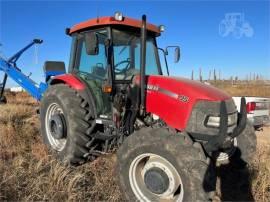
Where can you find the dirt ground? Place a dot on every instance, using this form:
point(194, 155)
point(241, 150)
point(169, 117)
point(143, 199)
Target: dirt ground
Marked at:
point(29, 173)
point(263, 136)
point(251, 183)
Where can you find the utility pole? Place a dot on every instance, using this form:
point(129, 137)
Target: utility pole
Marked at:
point(200, 72)
point(192, 75)
point(215, 76)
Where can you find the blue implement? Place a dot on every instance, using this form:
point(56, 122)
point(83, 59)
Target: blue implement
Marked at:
point(11, 70)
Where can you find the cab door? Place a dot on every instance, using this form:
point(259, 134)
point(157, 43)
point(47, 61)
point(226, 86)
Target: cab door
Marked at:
point(93, 69)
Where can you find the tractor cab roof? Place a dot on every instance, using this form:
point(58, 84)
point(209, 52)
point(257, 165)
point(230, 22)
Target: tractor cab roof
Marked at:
point(108, 21)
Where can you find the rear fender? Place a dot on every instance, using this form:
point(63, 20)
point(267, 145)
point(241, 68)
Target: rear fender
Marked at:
point(77, 84)
point(68, 79)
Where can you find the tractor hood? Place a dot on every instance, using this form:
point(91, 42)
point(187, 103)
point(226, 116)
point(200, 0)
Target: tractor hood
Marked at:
point(173, 98)
point(185, 87)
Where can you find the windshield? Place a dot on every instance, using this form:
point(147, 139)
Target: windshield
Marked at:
point(127, 55)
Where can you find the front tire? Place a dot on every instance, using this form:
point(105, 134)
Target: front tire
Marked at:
point(243, 149)
point(246, 145)
point(154, 165)
point(64, 123)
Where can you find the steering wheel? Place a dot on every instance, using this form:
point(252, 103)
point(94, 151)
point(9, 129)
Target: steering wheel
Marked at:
point(121, 71)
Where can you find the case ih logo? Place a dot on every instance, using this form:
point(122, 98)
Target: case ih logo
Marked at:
point(182, 98)
point(152, 87)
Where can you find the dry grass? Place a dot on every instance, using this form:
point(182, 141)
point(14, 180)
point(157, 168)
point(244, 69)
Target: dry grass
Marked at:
point(28, 172)
point(255, 89)
point(261, 167)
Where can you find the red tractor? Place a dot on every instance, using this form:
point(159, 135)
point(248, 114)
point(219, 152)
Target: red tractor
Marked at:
point(169, 131)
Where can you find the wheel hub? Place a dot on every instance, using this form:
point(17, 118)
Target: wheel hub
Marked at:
point(156, 180)
point(57, 126)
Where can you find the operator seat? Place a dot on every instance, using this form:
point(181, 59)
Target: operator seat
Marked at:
point(99, 71)
point(101, 99)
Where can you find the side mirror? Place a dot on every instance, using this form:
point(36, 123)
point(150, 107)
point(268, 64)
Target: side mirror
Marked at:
point(91, 43)
point(176, 54)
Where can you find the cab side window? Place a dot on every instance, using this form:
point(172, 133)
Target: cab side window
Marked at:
point(93, 65)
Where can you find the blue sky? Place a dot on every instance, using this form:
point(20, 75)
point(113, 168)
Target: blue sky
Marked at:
point(193, 25)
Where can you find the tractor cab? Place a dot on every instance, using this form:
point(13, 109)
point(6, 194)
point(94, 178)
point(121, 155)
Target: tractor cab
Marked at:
point(107, 55)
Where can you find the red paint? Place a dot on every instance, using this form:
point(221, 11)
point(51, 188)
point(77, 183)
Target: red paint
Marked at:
point(70, 80)
point(106, 21)
point(172, 110)
point(251, 106)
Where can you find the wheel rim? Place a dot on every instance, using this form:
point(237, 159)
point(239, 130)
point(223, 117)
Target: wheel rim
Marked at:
point(224, 156)
point(56, 144)
point(144, 164)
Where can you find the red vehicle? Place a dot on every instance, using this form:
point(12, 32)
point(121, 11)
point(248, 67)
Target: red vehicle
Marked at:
point(169, 131)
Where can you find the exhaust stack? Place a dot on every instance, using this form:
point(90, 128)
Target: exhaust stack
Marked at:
point(142, 63)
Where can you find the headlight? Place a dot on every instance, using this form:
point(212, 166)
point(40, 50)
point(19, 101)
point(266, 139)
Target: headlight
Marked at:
point(232, 119)
point(213, 121)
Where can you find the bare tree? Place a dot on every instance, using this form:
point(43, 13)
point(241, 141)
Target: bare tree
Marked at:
point(231, 78)
point(200, 72)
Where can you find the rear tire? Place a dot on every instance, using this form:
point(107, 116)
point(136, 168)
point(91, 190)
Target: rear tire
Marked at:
point(159, 153)
point(61, 99)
